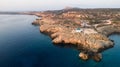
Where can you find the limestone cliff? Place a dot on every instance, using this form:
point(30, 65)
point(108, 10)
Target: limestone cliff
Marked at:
point(91, 41)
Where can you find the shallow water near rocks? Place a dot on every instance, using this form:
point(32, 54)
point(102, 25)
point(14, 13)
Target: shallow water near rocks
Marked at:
point(22, 45)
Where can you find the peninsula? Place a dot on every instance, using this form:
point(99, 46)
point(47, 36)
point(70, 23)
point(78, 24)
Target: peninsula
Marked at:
point(87, 29)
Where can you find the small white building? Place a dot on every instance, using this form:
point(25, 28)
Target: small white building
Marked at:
point(77, 30)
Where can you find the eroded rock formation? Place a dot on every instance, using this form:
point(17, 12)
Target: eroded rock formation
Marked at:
point(90, 44)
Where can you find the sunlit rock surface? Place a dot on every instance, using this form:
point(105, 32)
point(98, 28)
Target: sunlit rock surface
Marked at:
point(91, 41)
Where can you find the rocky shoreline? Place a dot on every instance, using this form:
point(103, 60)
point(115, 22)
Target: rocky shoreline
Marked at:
point(90, 44)
point(109, 30)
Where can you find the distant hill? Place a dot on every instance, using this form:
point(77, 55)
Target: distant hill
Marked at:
point(10, 13)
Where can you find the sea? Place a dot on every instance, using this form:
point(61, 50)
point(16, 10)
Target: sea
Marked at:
point(23, 45)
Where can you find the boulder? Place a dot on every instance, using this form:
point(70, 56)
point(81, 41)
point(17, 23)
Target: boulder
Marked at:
point(84, 56)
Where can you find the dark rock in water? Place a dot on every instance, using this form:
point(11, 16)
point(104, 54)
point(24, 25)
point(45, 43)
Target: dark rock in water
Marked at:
point(97, 57)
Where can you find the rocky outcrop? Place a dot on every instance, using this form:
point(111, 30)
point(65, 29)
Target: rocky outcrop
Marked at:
point(36, 22)
point(97, 57)
point(91, 44)
point(108, 30)
point(83, 56)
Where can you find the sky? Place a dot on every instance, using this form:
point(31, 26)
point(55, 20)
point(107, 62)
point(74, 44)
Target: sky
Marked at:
point(39, 5)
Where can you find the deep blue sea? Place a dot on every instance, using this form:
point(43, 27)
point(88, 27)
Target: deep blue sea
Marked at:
point(22, 45)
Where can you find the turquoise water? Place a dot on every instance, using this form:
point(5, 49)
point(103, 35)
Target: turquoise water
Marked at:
point(22, 45)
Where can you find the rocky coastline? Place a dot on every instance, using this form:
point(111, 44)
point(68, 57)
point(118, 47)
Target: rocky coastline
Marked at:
point(91, 42)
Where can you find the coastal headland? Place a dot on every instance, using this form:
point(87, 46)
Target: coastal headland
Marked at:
point(87, 29)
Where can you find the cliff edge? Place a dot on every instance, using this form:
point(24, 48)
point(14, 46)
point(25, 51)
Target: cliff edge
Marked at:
point(90, 39)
